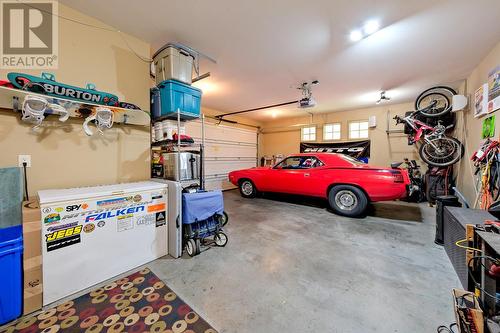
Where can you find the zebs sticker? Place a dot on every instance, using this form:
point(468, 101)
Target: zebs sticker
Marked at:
point(62, 238)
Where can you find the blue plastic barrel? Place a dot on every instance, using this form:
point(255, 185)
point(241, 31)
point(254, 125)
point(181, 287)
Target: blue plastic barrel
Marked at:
point(11, 287)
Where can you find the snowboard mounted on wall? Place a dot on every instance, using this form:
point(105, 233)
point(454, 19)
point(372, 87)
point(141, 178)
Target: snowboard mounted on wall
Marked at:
point(79, 102)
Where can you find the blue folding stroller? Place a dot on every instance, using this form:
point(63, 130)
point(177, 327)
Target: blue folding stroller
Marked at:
point(203, 217)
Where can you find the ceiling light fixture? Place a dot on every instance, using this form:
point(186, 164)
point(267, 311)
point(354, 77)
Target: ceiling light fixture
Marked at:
point(383, 97)
point(356, 35)
point(371, 27)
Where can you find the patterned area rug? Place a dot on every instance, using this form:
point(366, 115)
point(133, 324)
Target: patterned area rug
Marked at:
point(138, 303)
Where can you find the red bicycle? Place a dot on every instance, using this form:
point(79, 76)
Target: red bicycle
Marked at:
point(436, 149)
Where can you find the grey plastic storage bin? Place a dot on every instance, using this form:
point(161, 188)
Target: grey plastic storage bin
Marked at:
point(172, 63)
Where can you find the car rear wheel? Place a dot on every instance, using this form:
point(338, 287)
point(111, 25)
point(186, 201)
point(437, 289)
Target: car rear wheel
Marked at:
point(247, 189)
point(347, 200)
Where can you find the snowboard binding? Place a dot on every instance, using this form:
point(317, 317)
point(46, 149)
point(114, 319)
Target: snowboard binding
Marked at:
point(34, 108)
point(103, 118)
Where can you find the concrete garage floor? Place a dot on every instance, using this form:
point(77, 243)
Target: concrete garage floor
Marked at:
point(292, 267)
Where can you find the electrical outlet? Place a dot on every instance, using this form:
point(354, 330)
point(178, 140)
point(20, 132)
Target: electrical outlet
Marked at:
point(24, 159)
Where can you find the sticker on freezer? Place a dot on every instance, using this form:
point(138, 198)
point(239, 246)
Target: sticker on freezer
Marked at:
point(52, 218)
point(145, 220)
point(160, 219)
point(114, 213)
point(72, 208)
point(114, 201)
point(156, 208)
point(125, 222)
point(63, 238)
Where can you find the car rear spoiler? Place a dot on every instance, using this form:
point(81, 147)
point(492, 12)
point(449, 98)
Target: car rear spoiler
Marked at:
point(396, 165)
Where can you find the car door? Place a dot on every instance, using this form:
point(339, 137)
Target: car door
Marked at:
point(278, 177)
point(305, 180)
point(292, 175)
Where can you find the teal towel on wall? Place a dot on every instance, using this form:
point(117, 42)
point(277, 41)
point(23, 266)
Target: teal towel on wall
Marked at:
point(11, 197)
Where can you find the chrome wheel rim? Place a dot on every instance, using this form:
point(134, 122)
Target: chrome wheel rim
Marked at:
point(220, 239)
point(247, 188)
point(189, 248)
point(346, 200)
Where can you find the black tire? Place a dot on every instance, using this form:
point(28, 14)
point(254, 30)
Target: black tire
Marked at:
point(191, 247)
point(220, 239)
point(198, 245)
point(446, 161)
point(347, 200)
point(247, 189)
point(223, 219)
point(441, 91)
point(495, 180)
point(434, 112)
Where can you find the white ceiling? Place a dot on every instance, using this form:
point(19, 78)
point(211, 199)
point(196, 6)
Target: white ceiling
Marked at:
point(264, 47)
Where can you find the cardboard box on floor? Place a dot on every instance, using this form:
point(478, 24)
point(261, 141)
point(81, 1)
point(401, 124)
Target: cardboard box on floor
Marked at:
point(476, 319)
point(32, 256)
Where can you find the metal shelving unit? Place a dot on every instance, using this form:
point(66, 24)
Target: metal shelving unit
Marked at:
point(177, 146)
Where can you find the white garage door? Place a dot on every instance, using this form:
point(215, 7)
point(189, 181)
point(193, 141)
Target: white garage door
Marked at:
point(226, 149)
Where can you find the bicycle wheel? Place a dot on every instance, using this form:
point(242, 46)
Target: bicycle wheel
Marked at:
point(441, 151)
point(441, 95)
point(442, 104)
point(494, 183)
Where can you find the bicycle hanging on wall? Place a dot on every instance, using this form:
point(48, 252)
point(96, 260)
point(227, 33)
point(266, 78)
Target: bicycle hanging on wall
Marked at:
point(436, 147)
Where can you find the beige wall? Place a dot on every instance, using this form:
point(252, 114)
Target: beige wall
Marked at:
point(282, 137)
point(62, 155)
point(469, 130)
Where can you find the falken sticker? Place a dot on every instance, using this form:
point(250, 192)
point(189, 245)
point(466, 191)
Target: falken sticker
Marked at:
point(160, 219)
point(114, 213)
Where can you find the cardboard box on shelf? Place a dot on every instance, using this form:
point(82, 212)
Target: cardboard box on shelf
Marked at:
point(32, 256)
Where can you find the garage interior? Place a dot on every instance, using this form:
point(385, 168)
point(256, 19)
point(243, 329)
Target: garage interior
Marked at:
point(226, 166)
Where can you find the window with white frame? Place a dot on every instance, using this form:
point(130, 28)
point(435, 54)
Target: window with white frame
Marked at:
point(331, 131)
point(308, 133)
point(358, 129)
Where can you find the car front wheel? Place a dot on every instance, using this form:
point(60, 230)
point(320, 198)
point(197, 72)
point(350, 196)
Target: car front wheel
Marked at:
point(247, 189)
point(347, 200)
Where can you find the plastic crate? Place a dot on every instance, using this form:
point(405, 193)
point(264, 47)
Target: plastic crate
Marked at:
point(179, 96)
point(11, 255)
point(172, 63)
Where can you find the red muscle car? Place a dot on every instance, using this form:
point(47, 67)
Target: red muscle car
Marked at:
point(348, 184)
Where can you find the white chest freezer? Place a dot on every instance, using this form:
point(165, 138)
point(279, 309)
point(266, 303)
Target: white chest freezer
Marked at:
point(92, 234)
